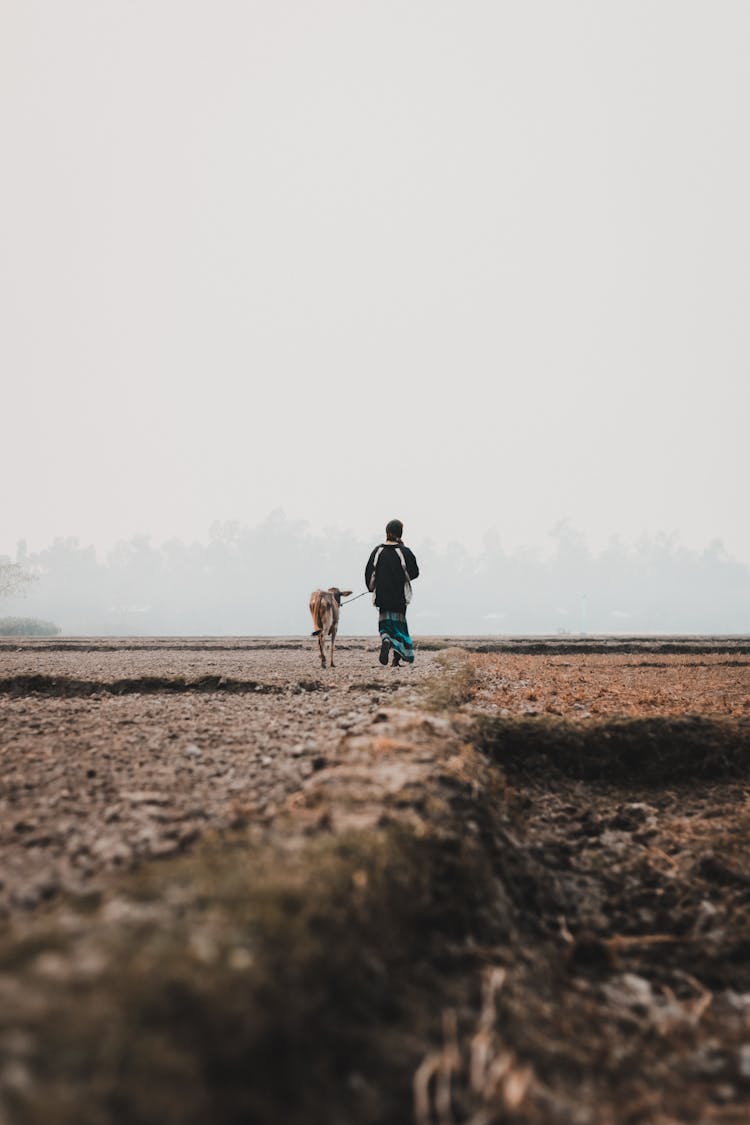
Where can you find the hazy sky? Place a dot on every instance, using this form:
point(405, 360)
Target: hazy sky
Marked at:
point(477, 264)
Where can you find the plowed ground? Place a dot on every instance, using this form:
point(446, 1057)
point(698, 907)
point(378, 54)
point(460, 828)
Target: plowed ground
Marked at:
point(495, 888)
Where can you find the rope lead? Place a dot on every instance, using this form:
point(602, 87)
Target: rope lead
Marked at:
point(355, 598)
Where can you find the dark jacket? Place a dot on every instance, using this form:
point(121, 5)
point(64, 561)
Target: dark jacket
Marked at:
point(387, 578)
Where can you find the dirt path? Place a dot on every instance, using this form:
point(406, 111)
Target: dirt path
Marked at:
point(112, 758)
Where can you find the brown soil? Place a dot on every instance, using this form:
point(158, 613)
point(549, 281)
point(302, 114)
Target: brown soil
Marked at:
point(632, 684)
point(111, 758)
point(423, 897)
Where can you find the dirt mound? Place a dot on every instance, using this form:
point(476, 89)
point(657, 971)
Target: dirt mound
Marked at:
point(605, 646)
point(288, 974)
point(68, 687)
point(639, 751)
point(254, 999)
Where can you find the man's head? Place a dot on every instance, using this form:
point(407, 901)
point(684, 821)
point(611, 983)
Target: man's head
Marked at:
point(394, 530)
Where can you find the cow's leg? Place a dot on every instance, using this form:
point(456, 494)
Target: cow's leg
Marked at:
point(322, 653)
point(333, 639)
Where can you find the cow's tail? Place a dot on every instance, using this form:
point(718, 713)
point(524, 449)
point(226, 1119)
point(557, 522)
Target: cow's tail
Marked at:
point(315, 610)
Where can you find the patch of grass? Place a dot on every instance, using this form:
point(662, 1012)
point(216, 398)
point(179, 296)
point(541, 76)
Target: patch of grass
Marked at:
point(454, 685)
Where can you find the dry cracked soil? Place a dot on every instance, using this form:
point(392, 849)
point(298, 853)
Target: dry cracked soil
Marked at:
point(509, 884)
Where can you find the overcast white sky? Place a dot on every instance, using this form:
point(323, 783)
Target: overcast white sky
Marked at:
point(478, 264)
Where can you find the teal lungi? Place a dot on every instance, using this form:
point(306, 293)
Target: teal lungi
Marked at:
point(393, 625)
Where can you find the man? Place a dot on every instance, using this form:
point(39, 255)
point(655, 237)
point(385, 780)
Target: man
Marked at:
point(389, 573)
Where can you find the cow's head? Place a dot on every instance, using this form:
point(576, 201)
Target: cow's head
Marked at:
point(338, 594)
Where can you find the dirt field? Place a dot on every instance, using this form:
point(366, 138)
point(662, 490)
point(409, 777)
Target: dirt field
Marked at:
point(510, 884)
point(110, 758)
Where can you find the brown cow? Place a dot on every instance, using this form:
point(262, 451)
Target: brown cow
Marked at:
point(324, 607)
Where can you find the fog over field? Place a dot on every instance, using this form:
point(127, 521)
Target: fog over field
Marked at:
point(481, 267)
point(257, 580)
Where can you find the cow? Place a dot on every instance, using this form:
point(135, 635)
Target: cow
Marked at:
point(324, 607)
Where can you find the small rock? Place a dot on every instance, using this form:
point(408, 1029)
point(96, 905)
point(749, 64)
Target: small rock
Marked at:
point(708, 1060)
point(89, 963)
point(740, 1001)
point(743, 1061)
point(617, 842)
point(15, 1078)
point(239, 959)
point(629, 991)
point(52, 966)
point(143, 797)
point(111, 849)
point(203, 947)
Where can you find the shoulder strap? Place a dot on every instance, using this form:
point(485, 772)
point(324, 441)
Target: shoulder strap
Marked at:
point(407, 582)
point(378, 553)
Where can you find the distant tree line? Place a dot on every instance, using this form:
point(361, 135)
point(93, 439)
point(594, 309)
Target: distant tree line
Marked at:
point(256, 580)
point(13, 578)
point(27, 627)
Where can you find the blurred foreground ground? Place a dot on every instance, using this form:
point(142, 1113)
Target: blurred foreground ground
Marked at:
point(499, 886)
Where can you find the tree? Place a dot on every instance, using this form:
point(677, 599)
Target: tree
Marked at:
point(13, 579)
